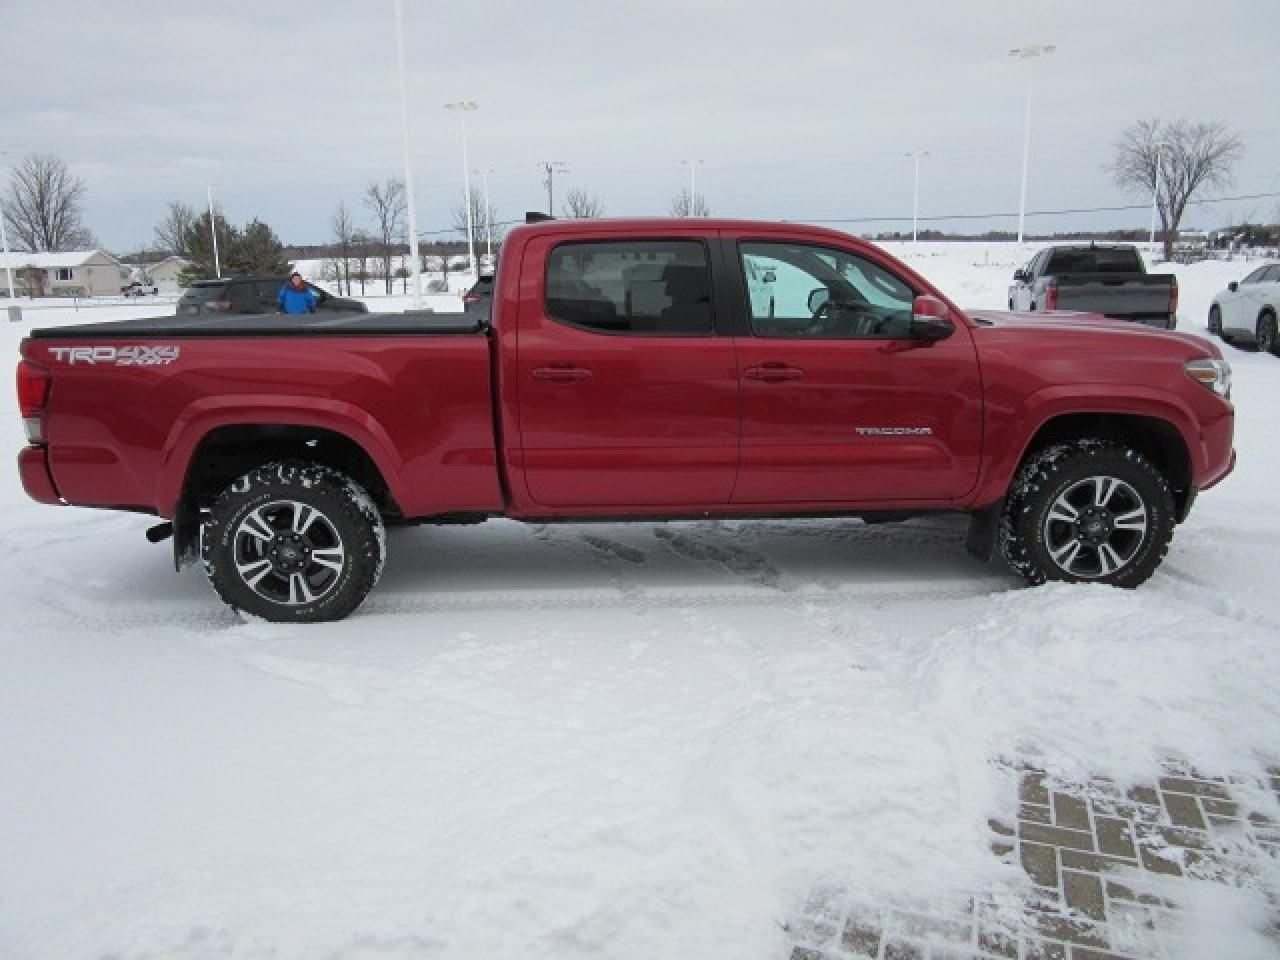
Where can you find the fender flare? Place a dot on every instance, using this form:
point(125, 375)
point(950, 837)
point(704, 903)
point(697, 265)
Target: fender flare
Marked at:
point(1049, 403)
point(208, 414)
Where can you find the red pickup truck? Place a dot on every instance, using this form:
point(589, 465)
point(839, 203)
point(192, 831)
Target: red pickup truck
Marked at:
point(631, 369)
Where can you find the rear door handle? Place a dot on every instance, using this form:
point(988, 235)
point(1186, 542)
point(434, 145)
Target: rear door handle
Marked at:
point(773, 372)
point(565, 374)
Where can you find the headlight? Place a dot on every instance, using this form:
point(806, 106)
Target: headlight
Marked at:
point(1214, 374)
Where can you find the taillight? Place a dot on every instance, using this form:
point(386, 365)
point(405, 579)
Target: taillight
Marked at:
point(1173, 300)
point(471, 298)
point(221, 305)
point(1051, 297)
point(33, 396)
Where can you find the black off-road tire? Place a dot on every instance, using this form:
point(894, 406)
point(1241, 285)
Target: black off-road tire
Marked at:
point(347, 522)
point(1051, 473)
point(1268, 340)
point(1215, 321)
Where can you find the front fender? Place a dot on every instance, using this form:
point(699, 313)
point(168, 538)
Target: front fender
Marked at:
point(207, 414)
point(1011, 435)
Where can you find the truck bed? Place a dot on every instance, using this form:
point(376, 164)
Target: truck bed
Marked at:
point(271, 325)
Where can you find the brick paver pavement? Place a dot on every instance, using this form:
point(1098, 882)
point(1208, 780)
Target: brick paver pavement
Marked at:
point(1089, 851)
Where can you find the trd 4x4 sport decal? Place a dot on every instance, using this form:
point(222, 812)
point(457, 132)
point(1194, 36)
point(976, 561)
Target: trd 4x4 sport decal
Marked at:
point(130, 356)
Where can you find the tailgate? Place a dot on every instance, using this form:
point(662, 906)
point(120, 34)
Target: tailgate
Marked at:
point(1128, 297)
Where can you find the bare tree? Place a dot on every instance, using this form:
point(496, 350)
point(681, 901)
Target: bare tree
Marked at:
point(43, 205)
point(685, 204)
point(343, 232)
point(581, 205)
point(171, 232)
point(1182, 157)
point(387, 201)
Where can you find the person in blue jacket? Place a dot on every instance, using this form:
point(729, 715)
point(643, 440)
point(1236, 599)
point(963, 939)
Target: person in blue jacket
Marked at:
point(296, 297)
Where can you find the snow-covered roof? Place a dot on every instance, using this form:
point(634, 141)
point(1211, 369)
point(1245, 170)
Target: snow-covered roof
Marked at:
point(50, 261)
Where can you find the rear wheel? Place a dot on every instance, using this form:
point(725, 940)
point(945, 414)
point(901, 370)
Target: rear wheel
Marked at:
point(1215, 321)
point(293, 542)
point(1087, 512)
point(1266, 333)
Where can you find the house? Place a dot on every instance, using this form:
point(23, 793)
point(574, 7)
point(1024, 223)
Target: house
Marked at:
point(164, 275)
point(80, 273)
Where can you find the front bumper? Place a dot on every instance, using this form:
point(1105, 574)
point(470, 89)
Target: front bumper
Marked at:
point(33, 469)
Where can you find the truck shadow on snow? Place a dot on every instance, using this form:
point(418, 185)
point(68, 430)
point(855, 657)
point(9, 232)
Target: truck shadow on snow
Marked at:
point(503, 563)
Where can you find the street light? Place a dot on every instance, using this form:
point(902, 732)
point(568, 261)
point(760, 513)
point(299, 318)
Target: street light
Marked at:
point(488, 215)
point(408, 166)
point(693, 166)
point(463, 107)
point(915, 198)
point(4, 239)
point(1155, 193)
point(1030, 53)
point(213, 230)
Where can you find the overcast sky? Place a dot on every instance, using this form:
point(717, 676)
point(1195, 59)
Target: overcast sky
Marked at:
point(798, 110)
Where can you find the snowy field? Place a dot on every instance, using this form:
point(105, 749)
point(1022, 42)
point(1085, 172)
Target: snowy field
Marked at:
point(609, 741)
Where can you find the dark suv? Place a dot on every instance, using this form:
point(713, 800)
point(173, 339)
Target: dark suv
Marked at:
point(253, 295)
point(478, 301)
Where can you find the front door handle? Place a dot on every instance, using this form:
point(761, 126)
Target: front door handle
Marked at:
point(562, 374)
point(773, 372)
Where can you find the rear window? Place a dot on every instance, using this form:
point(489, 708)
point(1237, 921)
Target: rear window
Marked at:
point(206, 291)
point(656, 288)
point(1100, 260)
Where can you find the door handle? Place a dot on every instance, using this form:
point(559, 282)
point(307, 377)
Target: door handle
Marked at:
point(773, 372)
point(565, 374)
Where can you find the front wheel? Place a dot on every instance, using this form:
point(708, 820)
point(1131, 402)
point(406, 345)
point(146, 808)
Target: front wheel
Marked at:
point(1266, 334)
point(293, 543)
point(1087, 512)
point(1215, 321)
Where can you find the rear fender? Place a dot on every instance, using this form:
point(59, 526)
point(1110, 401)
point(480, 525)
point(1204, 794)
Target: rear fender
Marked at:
point(205, 415)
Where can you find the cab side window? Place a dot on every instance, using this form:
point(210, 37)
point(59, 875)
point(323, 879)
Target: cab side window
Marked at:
point(802, 291)
point(1257, 275)
point(656, 288)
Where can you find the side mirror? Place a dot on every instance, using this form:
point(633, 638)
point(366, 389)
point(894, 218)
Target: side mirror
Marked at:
point(1019, 275)
point(929, 320)
point(1233, 286)
point(818, 298)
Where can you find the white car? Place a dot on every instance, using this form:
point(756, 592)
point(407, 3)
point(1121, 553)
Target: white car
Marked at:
point(1248, 309)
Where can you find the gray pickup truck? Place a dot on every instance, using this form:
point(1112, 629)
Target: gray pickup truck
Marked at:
point(1095, 278)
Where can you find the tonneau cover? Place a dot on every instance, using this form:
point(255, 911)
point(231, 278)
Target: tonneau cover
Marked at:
point(270, 325)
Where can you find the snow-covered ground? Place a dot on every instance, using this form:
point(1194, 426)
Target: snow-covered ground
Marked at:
point(612, 741)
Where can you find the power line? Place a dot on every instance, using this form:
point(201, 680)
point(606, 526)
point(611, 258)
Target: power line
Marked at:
point(1032, 213)
point(1066, 211)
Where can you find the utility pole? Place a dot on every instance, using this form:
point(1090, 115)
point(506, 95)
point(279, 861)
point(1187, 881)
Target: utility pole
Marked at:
point(915, 201)
point(213, 231)
point(1030, 53)
point(1155, 194)
point(408, 165)
point(549, 170)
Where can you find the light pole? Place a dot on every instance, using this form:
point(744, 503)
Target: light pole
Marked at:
point(488, 215)
point(1155, 193)
point(550, 168)
point(1029, 52)
point(463, 107)
point(4, 239)
point(915, 197)
point(416, 266)
point(693, 185)
point(213, 230)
